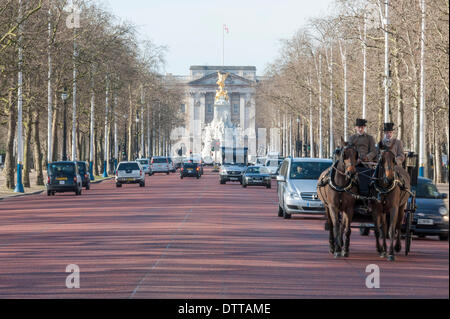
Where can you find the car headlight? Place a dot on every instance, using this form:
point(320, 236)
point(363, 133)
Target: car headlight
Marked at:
point(443, 211)
point(294, 195)
point(223, 171)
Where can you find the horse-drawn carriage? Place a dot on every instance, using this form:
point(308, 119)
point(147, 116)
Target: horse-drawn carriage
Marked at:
point(345, 205)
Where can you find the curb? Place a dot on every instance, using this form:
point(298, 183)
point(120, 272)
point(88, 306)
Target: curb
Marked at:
point(41, 191)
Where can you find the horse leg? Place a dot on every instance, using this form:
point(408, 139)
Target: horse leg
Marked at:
point(330, 231)
point(383, 234)
point(336, 232)
point(376, 216)
point(347, 231)
point(392, 229)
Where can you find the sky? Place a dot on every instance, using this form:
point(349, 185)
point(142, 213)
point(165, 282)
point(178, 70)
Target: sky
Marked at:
point(192, 29)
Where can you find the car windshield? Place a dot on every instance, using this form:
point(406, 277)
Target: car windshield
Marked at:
point(257, 170)
point(426, 190)
point(274, 163)
point(307, 170)
point(128, 166)
point(143, 162)
point(234, 164)
point(62, 169)
point(159, 160)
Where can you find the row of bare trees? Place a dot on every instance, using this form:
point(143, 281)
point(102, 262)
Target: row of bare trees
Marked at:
point(334, 70)
point(118, 105)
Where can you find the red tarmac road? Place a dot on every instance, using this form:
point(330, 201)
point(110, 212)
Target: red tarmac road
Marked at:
point(193, 239)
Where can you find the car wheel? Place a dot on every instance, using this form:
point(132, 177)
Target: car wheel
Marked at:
point(118, 185)
point(286, 215)
point(142, 184)
point(269, 186)
point(181, 176)
point(198, 176)
point(49, 193)
point(364, 231)
point(222, 181)
point(88, 187)
point(280, 211)
point(53, 193)
point(244, 185)
point(167, 173)
point(443, 237)
point(422, 236)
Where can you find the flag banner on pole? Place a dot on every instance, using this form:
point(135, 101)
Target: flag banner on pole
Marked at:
point(225, 27)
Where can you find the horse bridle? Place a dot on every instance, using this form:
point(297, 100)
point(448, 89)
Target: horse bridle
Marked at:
point(393, 184)
point(349, 186)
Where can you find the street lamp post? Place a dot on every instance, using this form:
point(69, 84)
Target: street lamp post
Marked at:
point(64, 96)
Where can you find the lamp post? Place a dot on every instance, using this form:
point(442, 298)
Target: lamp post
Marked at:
point(64, 96)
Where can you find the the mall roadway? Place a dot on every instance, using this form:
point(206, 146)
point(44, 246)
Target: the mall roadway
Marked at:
point(193, 239)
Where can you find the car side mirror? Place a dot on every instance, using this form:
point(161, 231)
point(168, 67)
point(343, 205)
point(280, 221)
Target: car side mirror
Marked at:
point(280, 178)
point(444, 195)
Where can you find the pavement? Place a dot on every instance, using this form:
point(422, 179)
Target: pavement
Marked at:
point(194, 239)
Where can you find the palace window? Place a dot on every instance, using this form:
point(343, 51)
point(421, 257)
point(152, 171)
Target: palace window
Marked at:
point(183, 108)
point(209, 108)
point(235, 108)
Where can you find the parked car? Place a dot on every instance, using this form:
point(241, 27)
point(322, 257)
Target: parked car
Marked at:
point(160, 164)
point(297, 183)
point(130, 173)
point(63, 177)
point(172, 167)
point(257, 175)
point(83, 170)
point(431, 215)
point(145, 163)
point(190, 169)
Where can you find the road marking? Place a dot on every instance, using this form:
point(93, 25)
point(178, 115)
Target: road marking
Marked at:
point(156, 263)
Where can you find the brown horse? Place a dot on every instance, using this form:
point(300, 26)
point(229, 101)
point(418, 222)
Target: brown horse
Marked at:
point(338, 202)
point(393, 201)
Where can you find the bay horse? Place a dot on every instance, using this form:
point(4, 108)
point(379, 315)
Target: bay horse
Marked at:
point(338, 202)
point(392, 201)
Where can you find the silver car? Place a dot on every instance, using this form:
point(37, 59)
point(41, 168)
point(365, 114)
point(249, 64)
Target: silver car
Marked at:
point(160, 164)
point(297, 183)
point(145, 163)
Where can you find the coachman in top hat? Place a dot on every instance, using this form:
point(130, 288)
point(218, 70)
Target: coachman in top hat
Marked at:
point(365, 146)
point(396, 147)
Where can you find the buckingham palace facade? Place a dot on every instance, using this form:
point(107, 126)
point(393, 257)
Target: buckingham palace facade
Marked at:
point(200, 90)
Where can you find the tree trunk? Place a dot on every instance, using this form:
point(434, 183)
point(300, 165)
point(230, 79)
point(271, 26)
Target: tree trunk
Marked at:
point(26, 149)
point(55, 151)
point(130, 123)
point(37, 151)
point(9, 169)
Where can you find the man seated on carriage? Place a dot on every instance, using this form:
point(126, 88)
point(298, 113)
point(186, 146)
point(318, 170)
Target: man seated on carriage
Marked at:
point(365, 146)
point(389, 142)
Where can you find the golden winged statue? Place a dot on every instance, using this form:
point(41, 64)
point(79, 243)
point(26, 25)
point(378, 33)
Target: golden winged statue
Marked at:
point(221, 83)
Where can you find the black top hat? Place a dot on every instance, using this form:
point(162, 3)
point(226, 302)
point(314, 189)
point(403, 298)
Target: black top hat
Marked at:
point(360, 122)
point(388, 127)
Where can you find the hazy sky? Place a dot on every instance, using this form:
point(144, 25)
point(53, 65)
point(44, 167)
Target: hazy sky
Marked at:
point(192, 29)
